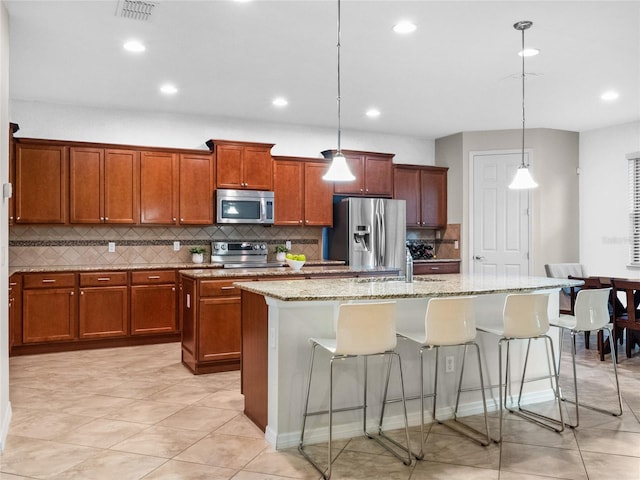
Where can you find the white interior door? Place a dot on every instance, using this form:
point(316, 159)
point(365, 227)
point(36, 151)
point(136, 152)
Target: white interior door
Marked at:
point(499, 217)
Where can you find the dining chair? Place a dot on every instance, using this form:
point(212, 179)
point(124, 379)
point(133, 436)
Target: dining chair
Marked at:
point(629, 321)
point(589, 282)
point(563, 270)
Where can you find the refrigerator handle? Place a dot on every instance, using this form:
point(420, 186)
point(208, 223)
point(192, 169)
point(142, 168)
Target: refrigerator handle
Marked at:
point(381, 233)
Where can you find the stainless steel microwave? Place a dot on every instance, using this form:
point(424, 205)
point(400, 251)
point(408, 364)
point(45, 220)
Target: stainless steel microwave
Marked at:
point(244, 206)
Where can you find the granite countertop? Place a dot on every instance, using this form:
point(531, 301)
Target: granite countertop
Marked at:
point(280, 271)
point(393, 287)
point(144, 266)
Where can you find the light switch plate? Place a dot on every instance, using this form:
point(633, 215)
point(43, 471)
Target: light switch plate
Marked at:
point(112, 247)
point(287, 244)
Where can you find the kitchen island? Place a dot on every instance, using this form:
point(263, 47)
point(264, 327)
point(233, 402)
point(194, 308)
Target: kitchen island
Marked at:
point(279, 317)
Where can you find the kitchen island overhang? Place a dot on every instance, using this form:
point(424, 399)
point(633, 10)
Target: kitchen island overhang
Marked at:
point(279, 317)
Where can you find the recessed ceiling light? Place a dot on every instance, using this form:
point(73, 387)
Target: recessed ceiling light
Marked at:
point(609, 95)
point(168, 89)
point(373, 113)
point(404, 27)
point(529, 52)
point(280, 102)
point(134, 46)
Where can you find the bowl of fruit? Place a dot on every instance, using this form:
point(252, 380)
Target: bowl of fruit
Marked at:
point(295, 261)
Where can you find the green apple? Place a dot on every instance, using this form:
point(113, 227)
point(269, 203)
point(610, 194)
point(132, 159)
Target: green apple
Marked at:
point(290, 256)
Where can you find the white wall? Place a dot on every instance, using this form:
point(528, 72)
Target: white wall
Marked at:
point(554, 160)
point(604, 199)
point(5, 405)
point(66, 122)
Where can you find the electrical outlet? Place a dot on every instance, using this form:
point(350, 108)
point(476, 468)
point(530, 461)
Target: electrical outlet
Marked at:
point(176, 246)
point(449, 364)
point(456, 245)
point(287, 244)
point(112, 247)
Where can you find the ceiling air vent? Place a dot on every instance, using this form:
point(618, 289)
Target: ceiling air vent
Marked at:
point(135, 9)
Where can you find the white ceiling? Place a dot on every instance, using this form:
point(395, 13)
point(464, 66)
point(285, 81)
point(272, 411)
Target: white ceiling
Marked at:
point(458, 72)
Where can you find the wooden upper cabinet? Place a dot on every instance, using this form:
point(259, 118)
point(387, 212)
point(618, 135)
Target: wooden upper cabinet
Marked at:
point(288, 188)
point(243, 165)
point(433, 186)
point(425, 191)
point(196, 189)
point(301, 196)
point(373, 172)
point(318, 195)
point(158, 188)
point(103, 185)
point(13, 128)
point(406, 186)
point(41, 183)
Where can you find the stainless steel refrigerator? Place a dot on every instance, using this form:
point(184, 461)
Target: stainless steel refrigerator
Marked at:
point(369, 232)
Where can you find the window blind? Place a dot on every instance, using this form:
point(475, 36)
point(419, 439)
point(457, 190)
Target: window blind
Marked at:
point(634, 207)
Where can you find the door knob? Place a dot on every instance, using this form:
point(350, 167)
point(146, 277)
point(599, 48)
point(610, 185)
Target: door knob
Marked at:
point(478, 257)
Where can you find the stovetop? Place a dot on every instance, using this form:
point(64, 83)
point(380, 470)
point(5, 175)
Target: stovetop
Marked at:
point(420, 250)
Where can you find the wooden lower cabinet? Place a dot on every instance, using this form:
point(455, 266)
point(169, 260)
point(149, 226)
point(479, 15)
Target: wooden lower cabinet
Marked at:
point(49, 315)
point(211, 338)
point(102, 312)
point(153, 302)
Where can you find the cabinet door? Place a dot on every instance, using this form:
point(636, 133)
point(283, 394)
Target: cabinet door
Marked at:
point(378, 176)
point(356, 164)
point(13, 127)
point(196, 189)
point(434, 198)
point(229, 166)
point(49, 315)
point(15, 310)
point(158, 188)
point(219, 329)
point(289, 188)
point(318, 195)
point(41, 183)
point(86, 185)
point(257, 169)
point(153, 309)
point(406, 186)
point(103, 312)
point(121, 170)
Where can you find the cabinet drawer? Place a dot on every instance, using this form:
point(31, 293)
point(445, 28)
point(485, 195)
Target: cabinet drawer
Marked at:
point(219, 288)
point(49, 280)
point(150, 277)
point(100, 279)
point(431, 268)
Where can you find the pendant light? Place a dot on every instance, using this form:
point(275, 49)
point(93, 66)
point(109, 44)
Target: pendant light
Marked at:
point(523, 179)
point(339, 170)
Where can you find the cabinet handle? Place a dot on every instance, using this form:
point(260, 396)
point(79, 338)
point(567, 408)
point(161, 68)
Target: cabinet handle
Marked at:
point(17, 218)
point(47, 280)
point(13, 284)
point(228, 288)
point(299, 221)
point(81, 292)
point(435, 268)
point(153, 277)
point(102, 219)
point(174, 219)
point(173, 289)
point(182, 220)
point(104, 279)
point(72, 294)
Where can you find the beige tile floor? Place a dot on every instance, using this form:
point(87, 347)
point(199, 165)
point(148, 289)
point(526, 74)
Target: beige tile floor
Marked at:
point(137, 413)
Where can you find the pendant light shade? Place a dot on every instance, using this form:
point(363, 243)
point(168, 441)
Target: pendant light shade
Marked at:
point(339, 170)
point(523, 178)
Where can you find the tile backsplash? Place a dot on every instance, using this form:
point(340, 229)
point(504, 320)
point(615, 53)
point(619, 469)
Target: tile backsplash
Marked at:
point(88, 245)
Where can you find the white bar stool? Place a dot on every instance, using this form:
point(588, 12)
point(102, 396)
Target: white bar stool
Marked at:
point(362, 329)
point(449, 321)
point(591, 314)
point(525, 317)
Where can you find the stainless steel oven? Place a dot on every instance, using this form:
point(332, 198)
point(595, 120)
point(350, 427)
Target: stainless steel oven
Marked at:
point(244, 206)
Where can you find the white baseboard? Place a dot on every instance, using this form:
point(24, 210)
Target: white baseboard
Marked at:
point(354, 429)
